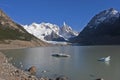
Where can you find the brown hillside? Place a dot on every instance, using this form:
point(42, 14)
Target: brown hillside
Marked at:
point(14, 34)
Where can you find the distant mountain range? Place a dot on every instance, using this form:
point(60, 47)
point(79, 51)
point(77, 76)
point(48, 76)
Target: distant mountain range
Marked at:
point(103, 29)
point(51, 32)
point(13, 33)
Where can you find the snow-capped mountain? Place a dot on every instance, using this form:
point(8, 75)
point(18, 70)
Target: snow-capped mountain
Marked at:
point(67, 32)
point(50, 32)
point(103, 28)
point(106, 16)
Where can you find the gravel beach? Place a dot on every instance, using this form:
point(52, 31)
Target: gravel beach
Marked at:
point(9, 72)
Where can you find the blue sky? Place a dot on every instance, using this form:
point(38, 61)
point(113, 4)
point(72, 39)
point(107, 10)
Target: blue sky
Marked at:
point(76, 13)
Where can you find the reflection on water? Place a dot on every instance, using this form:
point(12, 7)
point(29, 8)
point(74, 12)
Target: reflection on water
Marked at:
point(82, 65)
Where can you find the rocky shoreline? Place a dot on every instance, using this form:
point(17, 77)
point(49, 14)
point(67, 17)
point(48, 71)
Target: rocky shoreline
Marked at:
point(10, 72)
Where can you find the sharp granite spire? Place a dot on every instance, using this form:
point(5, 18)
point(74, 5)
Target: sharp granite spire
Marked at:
point(64, 24)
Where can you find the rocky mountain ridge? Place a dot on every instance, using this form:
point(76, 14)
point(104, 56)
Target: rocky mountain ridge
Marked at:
point(103, 29)
point(51, 32)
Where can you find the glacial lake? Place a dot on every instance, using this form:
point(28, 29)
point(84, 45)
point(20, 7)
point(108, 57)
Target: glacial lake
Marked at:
point(82, 64)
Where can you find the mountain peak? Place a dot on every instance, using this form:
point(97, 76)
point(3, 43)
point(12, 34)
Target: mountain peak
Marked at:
point(66, 27)
point(1, 12)
point(67, 31)
point(104, 17)
point(3, 15)
point(103, 29)
point(64, 24)
point(48, 31)
point(112, 11)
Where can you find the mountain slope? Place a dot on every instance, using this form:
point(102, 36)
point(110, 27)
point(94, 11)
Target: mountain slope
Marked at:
point(67, 32)
point(103, 29)
point(11, 31)
point(50, 32)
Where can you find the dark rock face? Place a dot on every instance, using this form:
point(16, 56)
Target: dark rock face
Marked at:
point(104, 34)
point(107, 32)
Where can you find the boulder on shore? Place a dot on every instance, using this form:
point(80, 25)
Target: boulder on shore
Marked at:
point(32, 69)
